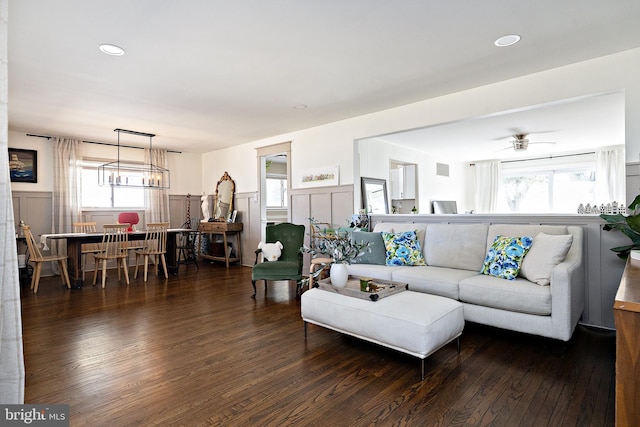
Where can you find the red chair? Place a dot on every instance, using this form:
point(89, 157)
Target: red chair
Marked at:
point(130, 218)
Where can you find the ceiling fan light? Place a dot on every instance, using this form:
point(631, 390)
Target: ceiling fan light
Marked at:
point(520, 144)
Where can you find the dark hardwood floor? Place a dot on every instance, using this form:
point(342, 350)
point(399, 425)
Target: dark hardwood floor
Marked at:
point(197, 350)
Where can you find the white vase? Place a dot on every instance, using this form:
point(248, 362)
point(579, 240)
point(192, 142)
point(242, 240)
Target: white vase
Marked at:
point(339, 275)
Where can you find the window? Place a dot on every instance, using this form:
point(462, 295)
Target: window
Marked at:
point(96, 196)
point(547, 188)
point(276, 192)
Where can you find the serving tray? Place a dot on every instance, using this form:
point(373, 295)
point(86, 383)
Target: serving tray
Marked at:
point(387, 288)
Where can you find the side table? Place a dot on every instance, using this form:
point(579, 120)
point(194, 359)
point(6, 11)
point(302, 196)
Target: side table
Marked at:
point(224, 229)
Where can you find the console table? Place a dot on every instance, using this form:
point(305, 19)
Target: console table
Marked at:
point(626, 312)
point(225, 229)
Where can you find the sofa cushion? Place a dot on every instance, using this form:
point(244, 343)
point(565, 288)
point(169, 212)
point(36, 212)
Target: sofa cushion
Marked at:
point(382, 272)
point(377, 254)
point(515, 230)
point(397, 227)
point(461, 246)
point(403, 248)
point(546, 252)
point(432, 280)
point(504, 257)
point(517, 295)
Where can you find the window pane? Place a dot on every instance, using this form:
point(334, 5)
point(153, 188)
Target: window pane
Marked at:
point(527, 193)
point(548, 191)
point(274, 194)
point(97, 196)
point(93, 195)
point(285, 201)
point(128, 197)
point(572, 188)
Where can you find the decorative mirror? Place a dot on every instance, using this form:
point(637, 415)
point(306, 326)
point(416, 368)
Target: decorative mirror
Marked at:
point(224, 198)
point(374, 195)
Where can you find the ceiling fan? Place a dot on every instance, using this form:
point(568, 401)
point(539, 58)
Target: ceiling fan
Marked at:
point(520, 142)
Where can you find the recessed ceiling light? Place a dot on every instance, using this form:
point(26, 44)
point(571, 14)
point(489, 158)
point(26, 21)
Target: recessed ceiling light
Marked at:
point(300, 107)
point(111, 49)
point(507, 40)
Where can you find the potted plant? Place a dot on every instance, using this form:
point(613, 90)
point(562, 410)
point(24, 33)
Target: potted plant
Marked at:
point(627, 224)
point(337, 245)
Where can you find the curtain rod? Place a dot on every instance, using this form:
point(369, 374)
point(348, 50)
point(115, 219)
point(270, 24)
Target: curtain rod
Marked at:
point(104, 143)
point(543, 158)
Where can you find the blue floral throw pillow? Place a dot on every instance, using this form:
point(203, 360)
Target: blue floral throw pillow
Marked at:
point(403, 248)
point(505, 256)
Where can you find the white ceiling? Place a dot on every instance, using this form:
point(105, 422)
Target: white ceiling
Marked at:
point(208, 74)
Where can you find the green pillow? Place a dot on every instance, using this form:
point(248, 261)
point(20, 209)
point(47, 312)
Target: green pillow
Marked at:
point(377, 255)
point(403, 248)
point(504, 257)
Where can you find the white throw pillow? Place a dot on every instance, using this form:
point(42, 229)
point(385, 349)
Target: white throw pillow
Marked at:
point(547, 251)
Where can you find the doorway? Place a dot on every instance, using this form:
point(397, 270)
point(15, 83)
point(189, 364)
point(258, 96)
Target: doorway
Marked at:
point(274, 171)
point(276, 190)
point(403, 179)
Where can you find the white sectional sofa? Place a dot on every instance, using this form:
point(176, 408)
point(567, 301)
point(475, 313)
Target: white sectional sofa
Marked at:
point(546, 299)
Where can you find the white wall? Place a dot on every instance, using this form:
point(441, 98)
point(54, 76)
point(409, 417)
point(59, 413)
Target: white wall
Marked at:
point(186, 170)
point(333, 144)
point(374, 159)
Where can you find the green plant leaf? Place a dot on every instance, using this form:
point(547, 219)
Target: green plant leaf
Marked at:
point(635, 204)
point(634, 222)
point(628, 225)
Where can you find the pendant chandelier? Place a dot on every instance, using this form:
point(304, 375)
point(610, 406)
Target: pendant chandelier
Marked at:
point(123, 174)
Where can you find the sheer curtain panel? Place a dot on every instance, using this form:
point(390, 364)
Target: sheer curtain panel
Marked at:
point(11, 353)
point(67, 189)
point(487, 186)
point(156, 201)
point(610, 176)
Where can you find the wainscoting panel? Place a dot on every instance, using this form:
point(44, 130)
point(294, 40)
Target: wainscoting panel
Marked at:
point(249, 214)
point(34, 208)
point(333, 205)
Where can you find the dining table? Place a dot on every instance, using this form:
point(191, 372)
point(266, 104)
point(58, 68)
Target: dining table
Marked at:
point(76, 240)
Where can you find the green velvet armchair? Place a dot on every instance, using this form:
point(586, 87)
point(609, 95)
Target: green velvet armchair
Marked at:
point(289, 265)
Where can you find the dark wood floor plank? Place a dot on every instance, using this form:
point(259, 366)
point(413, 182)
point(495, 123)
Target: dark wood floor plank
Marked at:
point(197, 350)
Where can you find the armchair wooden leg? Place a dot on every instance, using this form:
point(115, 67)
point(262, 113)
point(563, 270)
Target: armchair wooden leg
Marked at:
point(253, 283)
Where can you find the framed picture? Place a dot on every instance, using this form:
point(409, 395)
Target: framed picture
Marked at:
point(23, 165)
point(320, 177)
point(234, 216)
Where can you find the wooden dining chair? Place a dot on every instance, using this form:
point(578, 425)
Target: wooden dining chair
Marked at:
point(87, 248)
point(36, 257)
point(154, 248)
point(114, 246)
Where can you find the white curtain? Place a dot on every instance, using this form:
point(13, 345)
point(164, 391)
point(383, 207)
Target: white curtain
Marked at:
point(610, 175)
point(487, 186)
point(11, 353)
point(67, 190)
point(156, 200)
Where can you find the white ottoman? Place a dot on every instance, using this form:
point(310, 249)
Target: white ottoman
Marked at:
point(411, 322)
